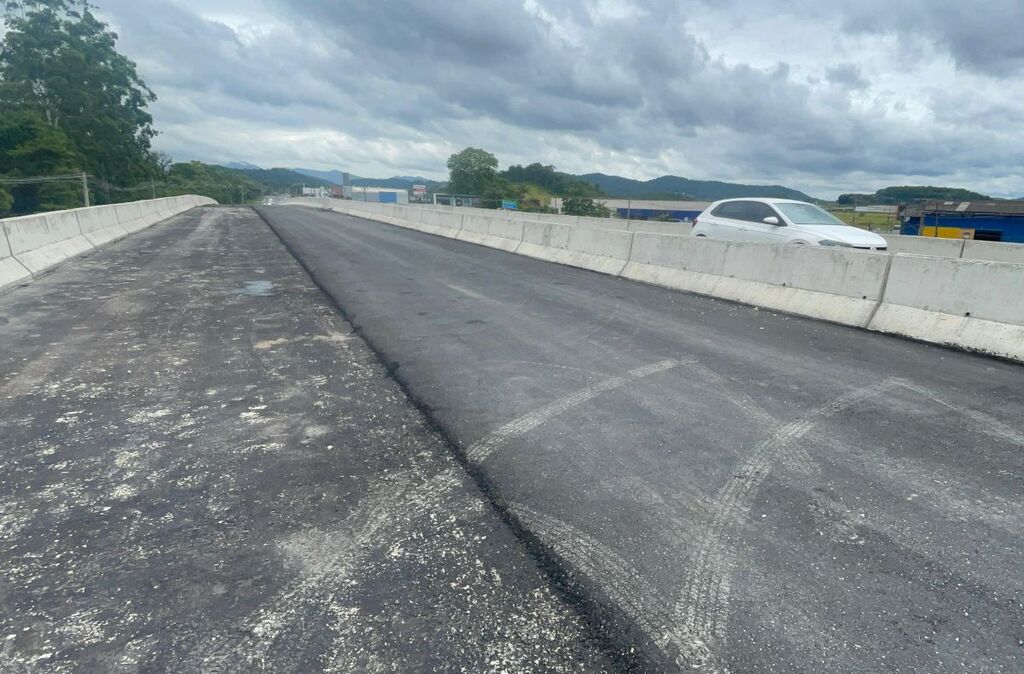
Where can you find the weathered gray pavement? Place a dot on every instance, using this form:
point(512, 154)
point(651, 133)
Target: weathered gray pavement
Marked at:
point(203, 469)
point(742, 490)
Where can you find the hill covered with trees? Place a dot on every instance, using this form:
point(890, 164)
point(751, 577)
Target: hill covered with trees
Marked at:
point(677, 188)
point(893, 196)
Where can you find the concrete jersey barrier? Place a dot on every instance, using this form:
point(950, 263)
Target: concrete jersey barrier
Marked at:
point(12, 272)
point(969, 249)
point(601, 250)
point(32, 244)
point(836, 285)
point(98, 227)
point(994, 251)
point(41, 241)
point(970, 304)
point(924, 245)
point(490, 231)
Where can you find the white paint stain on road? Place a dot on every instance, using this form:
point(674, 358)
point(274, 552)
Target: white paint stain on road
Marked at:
point(466, 291)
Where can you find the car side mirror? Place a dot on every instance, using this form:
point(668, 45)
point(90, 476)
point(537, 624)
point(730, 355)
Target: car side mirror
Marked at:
point(772, 220)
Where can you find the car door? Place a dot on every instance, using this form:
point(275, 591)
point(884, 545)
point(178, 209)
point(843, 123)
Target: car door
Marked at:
point(727, 222)
point(744, 215)
point(756, 229)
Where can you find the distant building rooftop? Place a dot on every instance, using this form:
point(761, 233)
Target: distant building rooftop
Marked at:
point(1008, 207)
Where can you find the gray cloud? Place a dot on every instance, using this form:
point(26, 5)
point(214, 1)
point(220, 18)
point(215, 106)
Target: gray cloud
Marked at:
point(846, 75)
point(985, 37)
point(635, 88)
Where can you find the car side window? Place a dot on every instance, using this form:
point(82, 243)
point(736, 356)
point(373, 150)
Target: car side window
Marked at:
point(746, 211)
point(731, 209)
point(758, 211)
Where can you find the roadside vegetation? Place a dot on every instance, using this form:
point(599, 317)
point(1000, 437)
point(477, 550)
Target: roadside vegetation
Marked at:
point(475, 172)
point(71, 104)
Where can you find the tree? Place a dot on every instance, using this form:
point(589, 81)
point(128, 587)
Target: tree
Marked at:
point(163, 162)
point(30, 147)
point(225, 185)
point(58, 60)
point(471, 171)
point(584, 206)
point(550, 180)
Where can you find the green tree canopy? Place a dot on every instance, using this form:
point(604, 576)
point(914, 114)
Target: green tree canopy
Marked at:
point(553, 181)
point(31, 147)
point(225, 185)
point(910, 193)
point(58, 60)
point(472, 171)
point(584, 206)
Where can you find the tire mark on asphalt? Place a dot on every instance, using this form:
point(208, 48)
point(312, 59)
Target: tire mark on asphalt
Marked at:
point(701, 612)
point(481, 450)
point(614, 575)
point(617, 579)
point(598, 561)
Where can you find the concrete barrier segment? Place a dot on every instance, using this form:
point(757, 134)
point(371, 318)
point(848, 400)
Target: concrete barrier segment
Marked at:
point(971, 304)
point(837, 285)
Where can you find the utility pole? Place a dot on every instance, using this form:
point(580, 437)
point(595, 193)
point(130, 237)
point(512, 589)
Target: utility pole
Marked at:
point(85, 189)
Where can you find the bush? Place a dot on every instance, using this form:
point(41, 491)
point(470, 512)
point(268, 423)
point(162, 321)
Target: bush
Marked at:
point(584, 206)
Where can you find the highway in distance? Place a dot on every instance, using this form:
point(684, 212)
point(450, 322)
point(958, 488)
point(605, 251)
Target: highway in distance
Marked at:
point(724, 488)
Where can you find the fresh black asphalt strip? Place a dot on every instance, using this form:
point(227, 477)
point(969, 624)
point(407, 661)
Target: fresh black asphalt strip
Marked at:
point(741, 490)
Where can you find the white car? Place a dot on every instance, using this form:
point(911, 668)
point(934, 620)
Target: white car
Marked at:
point(781, 221)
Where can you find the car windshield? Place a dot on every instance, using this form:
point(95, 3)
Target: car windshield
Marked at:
point(808, 214)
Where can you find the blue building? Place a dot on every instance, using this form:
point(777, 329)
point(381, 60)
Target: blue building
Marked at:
point(979, 220)
point(636, 209)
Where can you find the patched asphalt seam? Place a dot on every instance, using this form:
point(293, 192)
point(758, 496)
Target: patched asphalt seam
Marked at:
point(628, 647)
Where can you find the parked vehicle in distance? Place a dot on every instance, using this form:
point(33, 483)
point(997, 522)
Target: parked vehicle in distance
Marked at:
point(781, 221)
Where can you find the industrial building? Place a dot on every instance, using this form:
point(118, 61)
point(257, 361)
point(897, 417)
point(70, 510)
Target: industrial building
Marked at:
point(980, 220)
point(471, 200)
point(384, 195)
point(637, 209)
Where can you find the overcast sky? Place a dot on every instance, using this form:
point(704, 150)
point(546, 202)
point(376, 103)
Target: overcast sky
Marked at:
point(823, 95)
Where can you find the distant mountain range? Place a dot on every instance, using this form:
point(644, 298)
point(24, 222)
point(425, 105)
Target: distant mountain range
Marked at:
point(395, 182)
point(281, 178)
point(333, 177)
point(674, 187)
point(663, 188)
point(241, 165)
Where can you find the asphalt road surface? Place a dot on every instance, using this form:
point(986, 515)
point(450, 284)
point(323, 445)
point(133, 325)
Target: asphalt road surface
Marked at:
point(735, 489)
point(204, 470)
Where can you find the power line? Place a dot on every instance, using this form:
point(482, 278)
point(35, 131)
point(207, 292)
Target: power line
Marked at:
point(40, 179)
